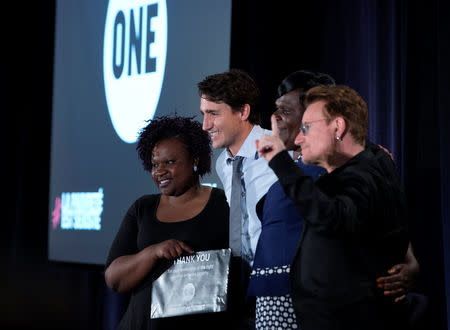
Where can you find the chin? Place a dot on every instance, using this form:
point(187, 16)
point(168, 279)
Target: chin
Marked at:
point(307, 160)
point(217, 145)
point(167, 192)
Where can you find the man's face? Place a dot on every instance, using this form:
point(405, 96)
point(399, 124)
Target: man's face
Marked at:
point(318, 140)
point(222, 124)
point(289, 114)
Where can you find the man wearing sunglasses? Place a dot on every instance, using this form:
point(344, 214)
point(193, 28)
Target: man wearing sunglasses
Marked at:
point(355, 215)
point(277, 243)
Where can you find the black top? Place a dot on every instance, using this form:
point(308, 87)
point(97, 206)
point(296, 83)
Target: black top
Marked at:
point(140, 228)
point(354, 231)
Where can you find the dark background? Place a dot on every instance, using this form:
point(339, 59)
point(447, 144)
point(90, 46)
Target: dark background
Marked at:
point(395, 53)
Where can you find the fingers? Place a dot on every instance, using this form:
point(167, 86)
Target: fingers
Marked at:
point(273, 121)
point(396, 269)
point(172, 249)
point(395, 274)
point(394, 293)
point(399, 299)
point(398, 295)
point(185, 247)
point(390, 286)
point(390, 279)
point(264, 145)
point(386, 151)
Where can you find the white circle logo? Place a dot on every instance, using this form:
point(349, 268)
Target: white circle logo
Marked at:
point(188, 292)
point(134, 60)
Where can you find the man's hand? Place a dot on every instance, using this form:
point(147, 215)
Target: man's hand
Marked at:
point(386, 151)
point(401, 277)
point(270, 145)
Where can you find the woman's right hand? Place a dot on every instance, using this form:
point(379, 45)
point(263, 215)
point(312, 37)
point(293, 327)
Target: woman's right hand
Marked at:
point(171, 249)
point(125, 272)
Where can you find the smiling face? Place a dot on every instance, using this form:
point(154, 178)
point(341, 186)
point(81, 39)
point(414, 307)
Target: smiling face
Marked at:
point(289, 116)
point(223, 125)
point(172, 167)
point(318, 145)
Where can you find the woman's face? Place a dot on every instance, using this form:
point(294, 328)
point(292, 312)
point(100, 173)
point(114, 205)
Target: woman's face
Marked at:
point(172, 167)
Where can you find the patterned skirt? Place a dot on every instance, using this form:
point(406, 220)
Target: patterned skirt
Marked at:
point(275, 312)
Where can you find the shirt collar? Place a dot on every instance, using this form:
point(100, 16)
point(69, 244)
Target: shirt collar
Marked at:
point(248, 148)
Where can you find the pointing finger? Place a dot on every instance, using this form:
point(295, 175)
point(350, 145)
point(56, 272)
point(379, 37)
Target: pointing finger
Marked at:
point(273, 120)
point(185, 247)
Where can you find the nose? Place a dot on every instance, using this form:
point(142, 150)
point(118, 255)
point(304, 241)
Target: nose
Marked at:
point(207, 123)
point(299, 138)
point(160, 170)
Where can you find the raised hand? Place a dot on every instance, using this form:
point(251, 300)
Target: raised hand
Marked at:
point(270, 145)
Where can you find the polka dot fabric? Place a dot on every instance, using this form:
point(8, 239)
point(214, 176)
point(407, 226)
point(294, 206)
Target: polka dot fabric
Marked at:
point(267, 271)
point(275, 313)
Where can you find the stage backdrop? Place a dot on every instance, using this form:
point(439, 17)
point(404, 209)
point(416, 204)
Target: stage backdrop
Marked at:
point(118, 64)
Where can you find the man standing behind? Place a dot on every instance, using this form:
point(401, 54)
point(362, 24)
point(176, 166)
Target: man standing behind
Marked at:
point(228, 104)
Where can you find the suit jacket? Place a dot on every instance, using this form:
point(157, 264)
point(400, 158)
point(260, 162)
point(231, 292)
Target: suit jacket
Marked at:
point(354, 231)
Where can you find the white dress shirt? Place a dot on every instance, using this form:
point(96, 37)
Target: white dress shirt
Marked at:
point(257, 179)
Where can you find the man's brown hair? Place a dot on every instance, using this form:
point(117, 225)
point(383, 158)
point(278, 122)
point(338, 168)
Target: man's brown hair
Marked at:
point(343, 101)
point(235, 88)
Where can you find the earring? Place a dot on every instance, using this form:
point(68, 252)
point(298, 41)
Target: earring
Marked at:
point(338, 138)
point(195, 168)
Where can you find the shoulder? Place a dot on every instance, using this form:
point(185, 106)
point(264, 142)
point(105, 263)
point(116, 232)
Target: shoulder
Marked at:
point(217, 206)
point(145, 201)
point(218, 202)
point(377, 162)
point(218, 195)
point(258, 131)
point(356, 168)
point(368, 171)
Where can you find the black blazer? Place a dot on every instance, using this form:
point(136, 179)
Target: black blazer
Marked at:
point(354, 231)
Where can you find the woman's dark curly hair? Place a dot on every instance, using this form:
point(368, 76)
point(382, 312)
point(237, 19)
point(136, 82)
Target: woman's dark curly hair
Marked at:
point(188, 131)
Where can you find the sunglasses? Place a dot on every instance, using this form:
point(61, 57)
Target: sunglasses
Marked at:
point(306, 126)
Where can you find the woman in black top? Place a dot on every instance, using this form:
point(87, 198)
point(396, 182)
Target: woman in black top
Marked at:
point(184, 218)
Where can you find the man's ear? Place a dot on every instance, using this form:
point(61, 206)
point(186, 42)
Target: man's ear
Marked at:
point(245, 112)
point(341, 127)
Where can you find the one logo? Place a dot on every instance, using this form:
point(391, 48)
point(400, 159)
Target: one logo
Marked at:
point(134, 60)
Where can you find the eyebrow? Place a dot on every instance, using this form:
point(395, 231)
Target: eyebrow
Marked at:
point(209, 111)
